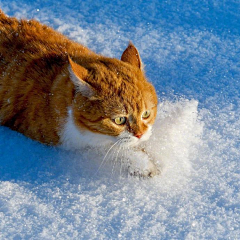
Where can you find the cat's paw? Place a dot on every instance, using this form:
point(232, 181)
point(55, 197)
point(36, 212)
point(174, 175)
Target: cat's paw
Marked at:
point(149, 172)
point(142, 166)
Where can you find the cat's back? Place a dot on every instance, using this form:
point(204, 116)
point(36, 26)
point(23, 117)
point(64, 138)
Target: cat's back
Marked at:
point(32, 37)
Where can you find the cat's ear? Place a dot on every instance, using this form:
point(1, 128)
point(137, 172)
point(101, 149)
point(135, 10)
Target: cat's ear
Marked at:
point(78, 74)
point(131, 55)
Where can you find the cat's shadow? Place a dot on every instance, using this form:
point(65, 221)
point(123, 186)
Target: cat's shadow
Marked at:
point(22, 159)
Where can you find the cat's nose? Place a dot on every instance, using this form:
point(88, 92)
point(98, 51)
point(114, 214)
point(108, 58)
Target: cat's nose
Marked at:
point(139, 135)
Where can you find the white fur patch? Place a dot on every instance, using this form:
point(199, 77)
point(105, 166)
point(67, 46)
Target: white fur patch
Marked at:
point(73, 138)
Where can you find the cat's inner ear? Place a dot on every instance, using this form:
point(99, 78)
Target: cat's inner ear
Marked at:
point(131, 55)
point(77, 75)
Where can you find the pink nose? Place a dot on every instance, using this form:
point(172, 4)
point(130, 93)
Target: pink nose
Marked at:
point(138, 135)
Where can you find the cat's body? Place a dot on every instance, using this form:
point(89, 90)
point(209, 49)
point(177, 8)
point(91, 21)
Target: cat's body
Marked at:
point(58, 92)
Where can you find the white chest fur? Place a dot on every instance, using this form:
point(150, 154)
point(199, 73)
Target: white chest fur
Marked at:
point(73, 138)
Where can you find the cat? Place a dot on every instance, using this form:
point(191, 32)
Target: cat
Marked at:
point(58, 92)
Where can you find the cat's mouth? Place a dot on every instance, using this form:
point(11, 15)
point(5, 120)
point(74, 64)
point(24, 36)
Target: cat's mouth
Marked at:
point(127, 139)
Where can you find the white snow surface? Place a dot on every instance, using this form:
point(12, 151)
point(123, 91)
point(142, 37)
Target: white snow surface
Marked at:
point(191, 55)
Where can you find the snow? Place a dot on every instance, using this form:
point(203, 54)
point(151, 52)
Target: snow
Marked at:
point(191, 54)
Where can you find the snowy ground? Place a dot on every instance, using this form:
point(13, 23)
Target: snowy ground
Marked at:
point(191, 51)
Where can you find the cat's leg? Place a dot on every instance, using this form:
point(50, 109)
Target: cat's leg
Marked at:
point(140, 164)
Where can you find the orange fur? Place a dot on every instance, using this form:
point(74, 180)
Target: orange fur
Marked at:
point(43, 73)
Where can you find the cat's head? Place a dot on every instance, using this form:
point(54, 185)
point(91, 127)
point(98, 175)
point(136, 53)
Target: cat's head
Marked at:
point(113, 97)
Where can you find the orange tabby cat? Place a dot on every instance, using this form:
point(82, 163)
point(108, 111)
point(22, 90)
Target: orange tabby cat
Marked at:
point(58, 92)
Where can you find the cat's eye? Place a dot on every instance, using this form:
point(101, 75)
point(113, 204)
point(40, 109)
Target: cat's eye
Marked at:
point(146, 114)
point(120, 120)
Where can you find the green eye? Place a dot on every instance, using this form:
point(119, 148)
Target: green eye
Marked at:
point(146, 114)
point(120, 120)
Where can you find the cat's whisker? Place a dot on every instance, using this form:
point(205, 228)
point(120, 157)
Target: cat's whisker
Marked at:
point(120, 149)
point(113, 159)
point(122, 158)
point(116, 158)
point(126, 157)
point(107, 155)
point(111, 155)
point(120, 162)
point(127, 161)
